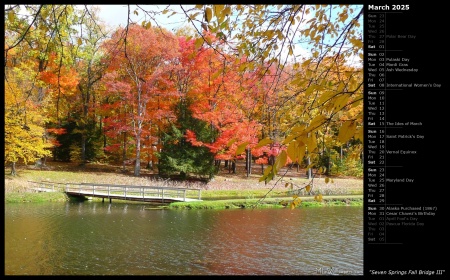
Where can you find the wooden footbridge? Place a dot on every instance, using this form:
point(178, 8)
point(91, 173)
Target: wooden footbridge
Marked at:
point(123, 192)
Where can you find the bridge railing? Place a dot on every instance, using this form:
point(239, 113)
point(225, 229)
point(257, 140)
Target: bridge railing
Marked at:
point(48, 186)
point(132, 191)
point(118, 190)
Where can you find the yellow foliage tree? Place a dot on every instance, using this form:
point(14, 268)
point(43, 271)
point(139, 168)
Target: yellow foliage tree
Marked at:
point(24, 128)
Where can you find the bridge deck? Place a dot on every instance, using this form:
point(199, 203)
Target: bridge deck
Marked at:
point(122, 192)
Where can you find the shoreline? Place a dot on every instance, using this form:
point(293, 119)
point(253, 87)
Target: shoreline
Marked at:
point(218, 203)
point(223, 192)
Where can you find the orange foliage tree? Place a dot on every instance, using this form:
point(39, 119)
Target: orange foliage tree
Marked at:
point(143, 61)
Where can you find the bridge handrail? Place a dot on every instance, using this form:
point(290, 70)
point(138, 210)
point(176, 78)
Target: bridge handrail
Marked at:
point(44, 184)
point(137, 186)
point(127, 189)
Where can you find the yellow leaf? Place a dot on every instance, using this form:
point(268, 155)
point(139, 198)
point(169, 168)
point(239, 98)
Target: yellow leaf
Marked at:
point(280, 161)
point(346, 131)
point(264, 142)
point(298, 128)
point(215, 75)
point(326, 96)
point(11, 16)
point(359, 134)
point(343, 17)
point(198, 6)
point(208, 14)
point(301, 149)
point(327, 180)
point(294, 196)
point(231, 142)
point(289, 138)
point(136, 12)
point(311, 142)
point(208, 40)
point(293, 21)
point(146, 24)
point(79, 41)
point(318, 198)
point(308, 188)
point(226, 11)
point(292, 151)
point(242, 67)
point(292, 206)
point(340, 101)
point(240, 149)
point(218, 9)
point(198, 43)
point(316, 122)
point(296, 151)
point(356, 42)
point(266, 173)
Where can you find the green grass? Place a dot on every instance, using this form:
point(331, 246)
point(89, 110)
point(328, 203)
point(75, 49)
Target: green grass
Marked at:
point(243, 194)
point(355, 200)
point(35, 197)
point(227, 191)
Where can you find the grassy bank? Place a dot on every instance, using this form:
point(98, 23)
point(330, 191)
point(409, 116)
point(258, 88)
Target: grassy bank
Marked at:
point(225, 191)
point(349, 200)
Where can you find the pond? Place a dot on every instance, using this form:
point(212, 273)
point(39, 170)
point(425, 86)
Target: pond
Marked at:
point(95, 238)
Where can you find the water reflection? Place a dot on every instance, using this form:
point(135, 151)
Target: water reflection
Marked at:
point(94, 238)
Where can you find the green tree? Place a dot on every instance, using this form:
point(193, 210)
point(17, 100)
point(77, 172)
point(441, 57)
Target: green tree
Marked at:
point(178, 156)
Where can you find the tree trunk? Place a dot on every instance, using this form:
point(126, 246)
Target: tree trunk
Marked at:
point(13, 169)
point(248, 162)
point(137, 166)
point(309, 171)
point(124, 151)
point(83, 148)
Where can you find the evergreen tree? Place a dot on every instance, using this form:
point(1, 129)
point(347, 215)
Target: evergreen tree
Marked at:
point(178, 157)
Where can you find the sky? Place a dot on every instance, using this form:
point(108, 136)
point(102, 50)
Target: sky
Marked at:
point(116, 15)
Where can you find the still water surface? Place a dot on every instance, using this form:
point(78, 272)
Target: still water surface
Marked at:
point(94, 238)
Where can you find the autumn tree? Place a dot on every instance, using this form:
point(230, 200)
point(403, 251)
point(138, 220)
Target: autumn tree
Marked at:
point(142, 59)
point(40, 36)
point(24, 123)
point(333, 35)
point(91, 67)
